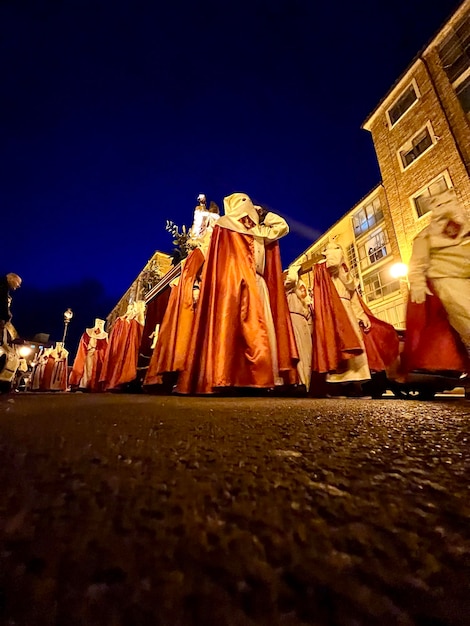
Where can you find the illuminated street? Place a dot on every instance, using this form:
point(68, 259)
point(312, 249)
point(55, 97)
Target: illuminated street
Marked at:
point(140, 510)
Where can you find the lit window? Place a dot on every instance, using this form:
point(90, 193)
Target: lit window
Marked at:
point(375, 248)
point(437, 186)
point(416, 147)
point(401, 106)
point(351, 259)
point(367, 217)
point(380, 284)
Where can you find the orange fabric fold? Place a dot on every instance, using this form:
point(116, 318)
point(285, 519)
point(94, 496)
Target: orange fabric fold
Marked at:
point(47, 376)
point(381, 341)
point(229, 345)
point(334, 338)
point(286, 347)
point(120, 361)
point(430, 341)
point(171, 350)
point(79, 363)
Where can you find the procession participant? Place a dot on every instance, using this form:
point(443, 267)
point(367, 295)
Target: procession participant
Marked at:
point(440, 261)
point(298, 301)
point(242, 335)
point(86, 370)
point(7, 282)
point(174, 332)
point(349, 342)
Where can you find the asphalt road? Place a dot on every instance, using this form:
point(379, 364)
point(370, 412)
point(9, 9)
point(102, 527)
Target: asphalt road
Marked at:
point(121, 510)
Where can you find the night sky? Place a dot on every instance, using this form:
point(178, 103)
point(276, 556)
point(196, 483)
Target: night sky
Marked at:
point(115, 115)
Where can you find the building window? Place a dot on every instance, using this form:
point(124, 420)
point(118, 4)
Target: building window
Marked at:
point(454, 51)
point(375, 248)
point(416, 146)
point(351, 259)
point(352, 263)
point(404, 102)
point(380, 284)
point(435, 187)
point(367, 217)
point(463, 94)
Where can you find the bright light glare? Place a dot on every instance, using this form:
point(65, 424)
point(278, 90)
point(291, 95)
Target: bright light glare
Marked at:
point(399, 270)
point(25, 351)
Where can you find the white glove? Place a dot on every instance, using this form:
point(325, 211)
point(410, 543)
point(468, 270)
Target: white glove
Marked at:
point(419, 292)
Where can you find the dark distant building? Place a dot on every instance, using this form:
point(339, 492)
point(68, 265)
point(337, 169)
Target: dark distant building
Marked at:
point(155, 268)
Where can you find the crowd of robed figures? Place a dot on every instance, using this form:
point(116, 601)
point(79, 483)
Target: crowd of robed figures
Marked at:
point(234, 320)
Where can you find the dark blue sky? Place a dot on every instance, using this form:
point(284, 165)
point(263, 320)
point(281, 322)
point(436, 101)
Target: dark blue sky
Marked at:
point(115, 114)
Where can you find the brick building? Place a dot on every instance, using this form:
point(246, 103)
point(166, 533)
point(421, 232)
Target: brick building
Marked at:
point(421, 135)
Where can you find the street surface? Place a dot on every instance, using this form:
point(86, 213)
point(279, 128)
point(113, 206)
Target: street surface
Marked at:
point(134, 510)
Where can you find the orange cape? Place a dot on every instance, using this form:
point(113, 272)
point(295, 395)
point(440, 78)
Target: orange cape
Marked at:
point(80, 359)
point(430, 341)
point(229, 345)
point(334, 338)
point(174, 337)
point(122, 353)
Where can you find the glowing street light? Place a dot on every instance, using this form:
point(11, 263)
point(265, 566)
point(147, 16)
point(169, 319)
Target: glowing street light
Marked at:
point(67, 317)
point(25, 351)
point(399, 270)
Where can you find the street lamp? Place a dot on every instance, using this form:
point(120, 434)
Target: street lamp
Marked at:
point(67, 317)
point(399, 270)
point(24, 351)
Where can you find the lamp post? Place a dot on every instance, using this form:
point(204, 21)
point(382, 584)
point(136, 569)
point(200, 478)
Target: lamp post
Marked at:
point(67, 317)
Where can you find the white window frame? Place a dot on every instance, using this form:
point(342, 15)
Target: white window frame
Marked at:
point(412, 83)
point(458, 81)
point(365, 261)
point(363, 207)
point(409, 144)
point(382, 297)
point(416, 194)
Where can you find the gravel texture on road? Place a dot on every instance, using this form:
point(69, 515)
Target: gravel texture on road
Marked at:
point(133, 510)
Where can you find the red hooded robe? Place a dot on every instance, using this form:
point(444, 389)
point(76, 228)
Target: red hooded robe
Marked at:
point(174, 337)
point(229, 343)
point(334, 338)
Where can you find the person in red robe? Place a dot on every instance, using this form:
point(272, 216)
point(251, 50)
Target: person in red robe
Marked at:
point(174, 335)
point(88, 363)
point(242, 335)
point(120, 361)
point(346, 353)
point(431, 344)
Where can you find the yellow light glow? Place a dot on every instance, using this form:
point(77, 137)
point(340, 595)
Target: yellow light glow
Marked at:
point(25, 351)
point(399, 270)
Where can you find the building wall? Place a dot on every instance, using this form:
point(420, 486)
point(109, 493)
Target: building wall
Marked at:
point(367, 236)
point(408, 170)
point(459, 121)
point(442, 157)
point(438, 106)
